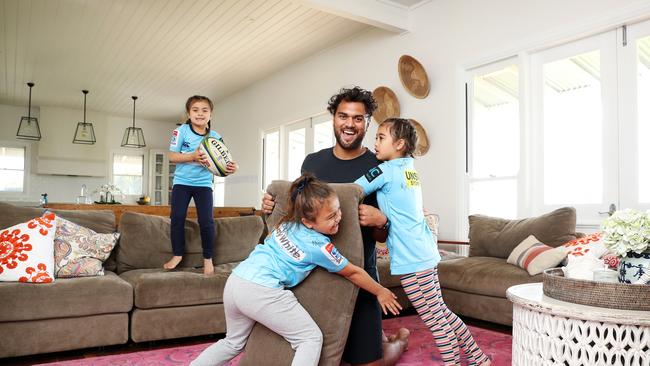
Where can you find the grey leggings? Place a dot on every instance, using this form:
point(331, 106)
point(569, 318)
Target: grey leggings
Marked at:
point(278, 309)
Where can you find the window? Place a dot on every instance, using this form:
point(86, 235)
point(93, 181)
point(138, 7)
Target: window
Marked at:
point(12, 169)
point(494, 140)
point(271, 157)
point(285, 148)
point(128, 173)
point(568, 129)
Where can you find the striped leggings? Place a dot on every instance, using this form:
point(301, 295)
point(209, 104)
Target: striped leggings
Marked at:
point(449, 332)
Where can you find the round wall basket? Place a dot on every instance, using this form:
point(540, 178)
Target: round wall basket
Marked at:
point(387, 104)
point(413, 77)
point(422, 146)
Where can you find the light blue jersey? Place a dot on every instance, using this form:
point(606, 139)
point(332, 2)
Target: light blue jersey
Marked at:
point(288, 255)
point(185, 140)
point(412, 246)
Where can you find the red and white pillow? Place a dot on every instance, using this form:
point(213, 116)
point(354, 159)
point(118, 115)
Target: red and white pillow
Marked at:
point(587, 245)
point(27, 250)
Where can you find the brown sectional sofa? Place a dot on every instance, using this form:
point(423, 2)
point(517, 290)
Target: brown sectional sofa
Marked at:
point(135, 299)
point(475, 286)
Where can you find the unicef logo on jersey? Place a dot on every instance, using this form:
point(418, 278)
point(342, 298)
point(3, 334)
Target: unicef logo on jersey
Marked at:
point(287, 245)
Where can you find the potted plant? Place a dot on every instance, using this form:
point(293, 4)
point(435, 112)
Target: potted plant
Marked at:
point(107, 194)
point(627, 234)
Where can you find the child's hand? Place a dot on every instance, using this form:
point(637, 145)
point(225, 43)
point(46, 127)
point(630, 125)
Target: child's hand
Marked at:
point(197, 155)
point(388, 301)
point(231, 167)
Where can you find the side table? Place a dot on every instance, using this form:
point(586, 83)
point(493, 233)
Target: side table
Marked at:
point(546, 331)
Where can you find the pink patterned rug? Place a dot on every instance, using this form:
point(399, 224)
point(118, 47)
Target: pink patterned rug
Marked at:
point(422, 350)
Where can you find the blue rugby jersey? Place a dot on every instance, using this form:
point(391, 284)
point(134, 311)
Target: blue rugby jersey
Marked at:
point(288, 255)
point(185, 140)
point(412, 246)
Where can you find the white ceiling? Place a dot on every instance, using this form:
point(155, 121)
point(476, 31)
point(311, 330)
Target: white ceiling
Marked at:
point(163, 51)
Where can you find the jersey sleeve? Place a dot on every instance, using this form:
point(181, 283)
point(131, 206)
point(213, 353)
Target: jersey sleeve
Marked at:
point(373, 180)
point(176, 141)
point(327, 256)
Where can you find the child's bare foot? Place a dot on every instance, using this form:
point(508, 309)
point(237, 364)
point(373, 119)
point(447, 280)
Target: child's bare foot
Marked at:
point(172, 263)
point(208, 267)
point(487, 363)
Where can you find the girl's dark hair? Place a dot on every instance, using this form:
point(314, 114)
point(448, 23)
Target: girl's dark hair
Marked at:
point(402, 128)
point(197, 98)
point(306, 195)
point(356, 94)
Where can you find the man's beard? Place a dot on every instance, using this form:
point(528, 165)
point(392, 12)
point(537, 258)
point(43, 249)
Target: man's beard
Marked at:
point(355, 144)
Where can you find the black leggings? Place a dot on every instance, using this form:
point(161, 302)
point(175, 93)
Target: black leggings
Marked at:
point(181, 196)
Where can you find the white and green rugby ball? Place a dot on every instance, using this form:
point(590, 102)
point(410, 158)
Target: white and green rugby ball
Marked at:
point(218, 155)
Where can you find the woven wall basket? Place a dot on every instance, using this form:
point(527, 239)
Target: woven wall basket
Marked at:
point(592, 293)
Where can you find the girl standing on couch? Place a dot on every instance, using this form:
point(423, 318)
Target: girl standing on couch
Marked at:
point(257, 289)
point(412, 247)
point(193, 180)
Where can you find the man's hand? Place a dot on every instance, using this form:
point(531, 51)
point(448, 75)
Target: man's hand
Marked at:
point(268, 202)
point(371, 216)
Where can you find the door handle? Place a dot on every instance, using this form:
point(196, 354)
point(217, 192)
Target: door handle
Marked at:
point(612, 209)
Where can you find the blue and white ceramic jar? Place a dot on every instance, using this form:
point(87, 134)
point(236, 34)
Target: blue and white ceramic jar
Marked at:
point(635, 268)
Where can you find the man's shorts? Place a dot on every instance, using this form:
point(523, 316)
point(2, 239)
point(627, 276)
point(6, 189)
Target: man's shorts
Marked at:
point(364, 339)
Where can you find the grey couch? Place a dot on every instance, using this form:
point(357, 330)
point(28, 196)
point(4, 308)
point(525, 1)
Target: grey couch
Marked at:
point(475, 286)
point(135, 299)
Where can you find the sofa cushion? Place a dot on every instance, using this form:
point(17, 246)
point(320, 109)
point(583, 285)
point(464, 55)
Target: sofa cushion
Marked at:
point(79, 251)
point(145, 241)
point(156, 288)
point(11, 215)
point(535, 256)
point(329, 298)
point(482, 275)
point(496, 237)
point(26, 250)
point(67, 297)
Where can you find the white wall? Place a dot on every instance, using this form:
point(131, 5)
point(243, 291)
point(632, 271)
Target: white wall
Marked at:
point(447, 37)
point(57, 129)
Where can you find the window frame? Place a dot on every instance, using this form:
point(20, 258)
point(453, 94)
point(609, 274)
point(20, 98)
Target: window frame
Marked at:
point(26, 169)
point(145, 170)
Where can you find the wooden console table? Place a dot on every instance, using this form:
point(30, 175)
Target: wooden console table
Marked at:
point(154, 210)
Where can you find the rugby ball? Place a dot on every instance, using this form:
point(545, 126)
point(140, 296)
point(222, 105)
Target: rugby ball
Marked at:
point(218, 155)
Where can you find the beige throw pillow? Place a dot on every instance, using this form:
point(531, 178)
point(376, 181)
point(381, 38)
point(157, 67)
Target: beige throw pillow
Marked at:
point(535, 256)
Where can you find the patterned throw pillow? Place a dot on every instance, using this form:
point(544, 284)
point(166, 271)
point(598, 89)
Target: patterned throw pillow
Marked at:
point(26, 251)
point(587, 245)
point(535, 257)
point(79, 251)
point(432, 221)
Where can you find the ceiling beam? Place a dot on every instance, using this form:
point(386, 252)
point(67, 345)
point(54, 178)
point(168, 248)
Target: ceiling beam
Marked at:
point(384, 15)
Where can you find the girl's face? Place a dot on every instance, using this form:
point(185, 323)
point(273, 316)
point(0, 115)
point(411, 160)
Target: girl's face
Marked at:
point(200, 114)
point(328, 217)
point(386, 148)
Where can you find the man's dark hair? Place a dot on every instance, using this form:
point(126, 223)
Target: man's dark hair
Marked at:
point(355, 94)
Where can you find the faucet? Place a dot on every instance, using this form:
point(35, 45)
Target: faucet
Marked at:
point(83, 190)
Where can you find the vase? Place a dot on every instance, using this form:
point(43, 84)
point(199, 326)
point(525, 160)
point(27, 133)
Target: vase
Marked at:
point(635, 268)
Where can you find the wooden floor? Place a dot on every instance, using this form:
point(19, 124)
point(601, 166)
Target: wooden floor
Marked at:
point(135, 347)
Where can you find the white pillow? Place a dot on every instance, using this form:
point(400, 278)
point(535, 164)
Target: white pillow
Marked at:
point(27, 251)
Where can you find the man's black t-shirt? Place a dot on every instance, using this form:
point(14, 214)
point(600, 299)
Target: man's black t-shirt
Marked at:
point(325, 166)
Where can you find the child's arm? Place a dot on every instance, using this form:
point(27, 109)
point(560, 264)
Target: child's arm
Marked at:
point(359, 277)
point(177, 157)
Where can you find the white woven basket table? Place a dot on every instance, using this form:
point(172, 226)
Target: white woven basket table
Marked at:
point(546, 331)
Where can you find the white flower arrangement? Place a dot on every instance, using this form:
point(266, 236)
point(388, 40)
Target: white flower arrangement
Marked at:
point(627, 231)
point(104, 189)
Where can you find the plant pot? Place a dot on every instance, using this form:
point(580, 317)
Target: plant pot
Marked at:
point(635, 268)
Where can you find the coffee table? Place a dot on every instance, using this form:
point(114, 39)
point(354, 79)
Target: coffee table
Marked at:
point(546, 331)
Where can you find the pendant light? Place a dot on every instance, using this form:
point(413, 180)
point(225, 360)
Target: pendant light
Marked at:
point(85, 133)
point(133, 136)
point(28, 129)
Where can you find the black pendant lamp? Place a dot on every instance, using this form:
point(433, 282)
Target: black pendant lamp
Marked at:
point(133, 136)
point(85, 133)
point(28, 128)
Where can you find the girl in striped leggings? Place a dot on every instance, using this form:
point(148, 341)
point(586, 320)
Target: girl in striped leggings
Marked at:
point(412, 246)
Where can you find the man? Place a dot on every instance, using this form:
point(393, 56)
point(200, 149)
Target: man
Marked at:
point(344, 163)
